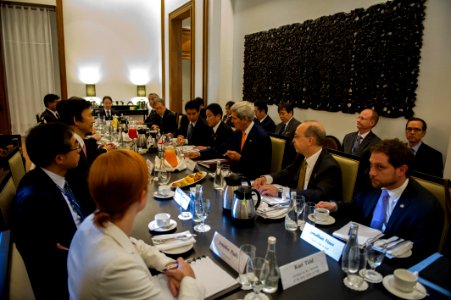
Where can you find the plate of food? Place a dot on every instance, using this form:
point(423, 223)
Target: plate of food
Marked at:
point(189, 180)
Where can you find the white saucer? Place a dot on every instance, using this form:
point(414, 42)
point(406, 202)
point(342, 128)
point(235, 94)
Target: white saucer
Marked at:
point(179, 250)
point(330, 220)
point(387, 282)
point(168, 196)
point(361, 288)
point(153, 226)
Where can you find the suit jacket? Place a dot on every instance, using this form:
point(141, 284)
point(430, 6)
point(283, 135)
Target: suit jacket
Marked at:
point(150, 117)
point(227, 119)
point(220, 142)
point(417, 217)
point(167, 124)
point(325, 180)
point(267, 124)
point(102, 113)
point(289, 130)
point(201, 134)
point(48, 117)
point(256, 154)
point(104, 263)
point(428, 160)
point(43, 219)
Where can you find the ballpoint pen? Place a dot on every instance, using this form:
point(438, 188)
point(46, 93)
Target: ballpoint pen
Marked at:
point(174, 265)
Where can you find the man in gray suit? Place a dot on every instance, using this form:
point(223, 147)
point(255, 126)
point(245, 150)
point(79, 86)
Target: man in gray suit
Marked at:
point(287, 128)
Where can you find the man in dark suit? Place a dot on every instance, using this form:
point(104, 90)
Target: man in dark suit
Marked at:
point(221, 135)
point(397, 205)
point(262, 118)
point(164, 119)
point(107, 110)
point(227, 118)
point(287, 128)
point(45, 211)
point(250, 148)
point(50, 114)
point(151, 98)
point(427, 159)
point(314, 173)
point(196, 132)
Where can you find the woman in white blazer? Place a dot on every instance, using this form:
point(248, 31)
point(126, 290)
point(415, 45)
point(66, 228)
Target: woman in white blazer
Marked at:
point(104, 261)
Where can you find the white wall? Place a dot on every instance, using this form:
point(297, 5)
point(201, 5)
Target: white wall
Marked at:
point(434, 90)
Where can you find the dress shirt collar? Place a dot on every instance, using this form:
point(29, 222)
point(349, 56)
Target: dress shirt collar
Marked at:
point(288, 122)
point(215, 128)
point(261, 121)
point(416, 147)
point(80, 140)
point(311, 161)
point(53, 112)
point(248, 129)
point(363, 135)
point(194, 123)
point(57, 179)
point(394, 195)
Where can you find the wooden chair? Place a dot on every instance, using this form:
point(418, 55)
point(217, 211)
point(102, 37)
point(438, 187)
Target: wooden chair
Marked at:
point(7, 194)
point(349, 166)
point(17, 167)
point(278, 150)
point(440, 188)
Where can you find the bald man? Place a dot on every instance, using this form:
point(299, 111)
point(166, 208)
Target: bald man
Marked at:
point(314, 172)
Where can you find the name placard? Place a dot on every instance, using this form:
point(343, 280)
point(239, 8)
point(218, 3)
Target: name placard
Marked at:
point(303, 269)
point(226, 250)
point(322, 241)
point(181, 198)
point(190, 164)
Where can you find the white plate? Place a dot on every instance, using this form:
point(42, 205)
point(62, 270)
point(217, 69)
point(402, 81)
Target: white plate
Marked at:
point(168, 196)
point(204, 174)
point(153, 226)
point(330, 220)
point(179, 250)
point(413, 295)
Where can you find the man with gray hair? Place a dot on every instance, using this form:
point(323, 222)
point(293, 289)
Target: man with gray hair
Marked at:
point(250, 147)
point(163, 119)
point(314, 173)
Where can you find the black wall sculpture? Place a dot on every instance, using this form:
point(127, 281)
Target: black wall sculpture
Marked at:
point(344, 62)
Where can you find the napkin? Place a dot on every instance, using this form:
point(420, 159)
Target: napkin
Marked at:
point(267, 212)
point(149, 167)
point(181, 165)
point(365, 234)
point(274, 200)
point(401, 249)
point(169, 242)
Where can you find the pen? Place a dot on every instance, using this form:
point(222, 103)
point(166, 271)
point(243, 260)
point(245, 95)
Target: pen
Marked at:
point(175, 265)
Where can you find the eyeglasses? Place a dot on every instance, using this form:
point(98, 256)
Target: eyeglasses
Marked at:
point(414, 129)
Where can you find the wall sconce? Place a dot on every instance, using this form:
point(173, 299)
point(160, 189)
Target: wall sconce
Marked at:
point(141, 90)
point(91, 90)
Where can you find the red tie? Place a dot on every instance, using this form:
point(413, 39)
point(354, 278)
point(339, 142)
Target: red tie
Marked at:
point(243, 140)
point(84, 149)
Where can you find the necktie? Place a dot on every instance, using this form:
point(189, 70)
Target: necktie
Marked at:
point(413, 151)
point(84, 150)
point(355, 146)
point(243, 140)
point(57, 115)
point(380, 210)
point(282, 129)
point(73, 203)
point(189, 134)
point(301, 179)
point(108, 114)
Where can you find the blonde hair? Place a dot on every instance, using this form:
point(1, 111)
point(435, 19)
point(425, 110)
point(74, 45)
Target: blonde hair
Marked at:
point(116, 181)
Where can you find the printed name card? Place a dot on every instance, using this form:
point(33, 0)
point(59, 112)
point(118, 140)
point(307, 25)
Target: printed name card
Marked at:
point(181, 198)
point(226, 250)
point(190, 164)
point(303, 269)
point(322, 241)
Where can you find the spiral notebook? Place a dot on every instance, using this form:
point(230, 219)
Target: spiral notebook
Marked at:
point(217, 281)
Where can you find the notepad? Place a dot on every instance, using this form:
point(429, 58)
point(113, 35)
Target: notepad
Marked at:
point(217, 281)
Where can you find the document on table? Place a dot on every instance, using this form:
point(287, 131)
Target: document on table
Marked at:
point(364, 234)
point(217, 281)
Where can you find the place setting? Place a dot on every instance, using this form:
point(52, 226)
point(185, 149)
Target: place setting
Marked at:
point(404, 284)
point(321, 216)
point(176, 243)
point(164, 193)
point(162, 223)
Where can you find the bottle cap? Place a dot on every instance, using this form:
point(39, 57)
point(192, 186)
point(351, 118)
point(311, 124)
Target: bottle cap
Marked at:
point(272, 239)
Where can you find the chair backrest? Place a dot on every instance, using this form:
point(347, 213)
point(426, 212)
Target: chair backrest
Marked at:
point(17, 167)
point(19, 282)
point(349, 170)
point(278, 150)
point(440, 189)
point(7, 194)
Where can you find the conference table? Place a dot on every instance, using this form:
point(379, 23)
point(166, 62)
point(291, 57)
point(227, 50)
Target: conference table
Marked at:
point(289, 247)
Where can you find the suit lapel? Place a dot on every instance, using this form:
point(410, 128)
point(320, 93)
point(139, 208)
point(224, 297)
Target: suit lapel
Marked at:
point(316, 168)
point(401, 207)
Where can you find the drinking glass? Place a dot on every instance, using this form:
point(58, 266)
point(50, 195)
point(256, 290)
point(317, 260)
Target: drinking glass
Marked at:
point(309, 210)
point(257, 271)
point(202, 210)
point(356, 262)
point(164, 176)
point(374, 256)
point(299, 208)
point(247, 254)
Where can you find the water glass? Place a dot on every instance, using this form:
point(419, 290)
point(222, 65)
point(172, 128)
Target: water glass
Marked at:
point(202, 208)
point(257, 272)
point(247, 254)
point(309, 210)
point(299, 208)
point(374, 257)
point(291, 217)
point(164, 176)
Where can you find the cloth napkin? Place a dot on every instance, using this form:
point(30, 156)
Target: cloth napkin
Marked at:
point(399, 250)
point(169, 242)
point(274, 200)
point(364, 234)
point(181, 164)
point(149, 167)
point(267, 212)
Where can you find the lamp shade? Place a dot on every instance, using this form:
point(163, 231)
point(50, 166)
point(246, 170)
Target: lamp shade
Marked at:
point(141, 90)
point(91, 90)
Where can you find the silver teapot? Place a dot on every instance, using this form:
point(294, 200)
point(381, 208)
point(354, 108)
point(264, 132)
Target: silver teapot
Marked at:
point(244, 208)
point(233, 182)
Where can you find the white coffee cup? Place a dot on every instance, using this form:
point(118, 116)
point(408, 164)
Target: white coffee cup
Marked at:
point(162, 219)
point(321, 214)
point(404, 280)
point(164, 190)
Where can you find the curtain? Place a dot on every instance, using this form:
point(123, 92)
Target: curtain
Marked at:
point(31, 68)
